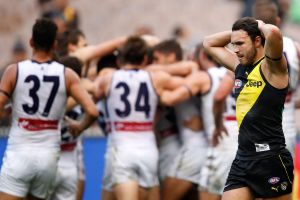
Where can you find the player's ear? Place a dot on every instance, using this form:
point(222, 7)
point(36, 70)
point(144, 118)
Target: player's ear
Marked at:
point(145, 61)
point(257, 41)
point(31, 42)
point(278, 21)
point(55, 44)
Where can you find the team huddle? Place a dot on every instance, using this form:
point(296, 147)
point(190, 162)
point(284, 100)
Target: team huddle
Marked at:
point(216, 124)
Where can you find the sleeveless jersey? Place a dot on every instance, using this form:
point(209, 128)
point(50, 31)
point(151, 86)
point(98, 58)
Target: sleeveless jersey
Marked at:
point(216, 74)
point(131, 105)
point(184, 112)
point(288, 115)
point(38, 103)
point(68, 146)
point(230, 107)
point(166, 126)
point(103, 119)
point(259, 109)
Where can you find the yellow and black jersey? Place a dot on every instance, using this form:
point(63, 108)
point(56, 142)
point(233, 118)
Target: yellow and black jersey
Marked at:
point(259, 108)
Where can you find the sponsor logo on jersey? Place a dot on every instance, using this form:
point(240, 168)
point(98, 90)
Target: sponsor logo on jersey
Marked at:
point(254, 84)
point(274, 180)
point(238, 83)
point(262, 147)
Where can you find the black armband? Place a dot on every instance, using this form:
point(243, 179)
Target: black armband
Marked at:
point(274, 59)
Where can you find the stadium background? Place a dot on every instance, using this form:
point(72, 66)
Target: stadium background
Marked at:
point(101, 20)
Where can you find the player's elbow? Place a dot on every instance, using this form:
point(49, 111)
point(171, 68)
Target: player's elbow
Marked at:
point(207, 44)
point(274, 33)
point(219, 98)
point(168, 100)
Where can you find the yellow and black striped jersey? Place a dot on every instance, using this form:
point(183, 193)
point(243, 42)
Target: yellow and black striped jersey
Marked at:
point(259, 108)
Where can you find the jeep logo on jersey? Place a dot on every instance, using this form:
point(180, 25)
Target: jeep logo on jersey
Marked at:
point(238, 83)
point(254, 84)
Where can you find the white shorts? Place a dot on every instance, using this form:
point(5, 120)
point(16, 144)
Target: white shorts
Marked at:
point(167, 155)
point(218, 161)
point(65, 184)
point(188, 163)
point(80, 160)
point(130, 164)
point(28, 172)
point(290, 140)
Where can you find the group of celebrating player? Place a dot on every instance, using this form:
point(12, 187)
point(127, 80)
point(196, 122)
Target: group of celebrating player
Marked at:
point(179, 125)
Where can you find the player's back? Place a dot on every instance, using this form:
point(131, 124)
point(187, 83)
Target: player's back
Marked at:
point(132, 103)
point(38, 103)
point(207, 99)
point(288, 114)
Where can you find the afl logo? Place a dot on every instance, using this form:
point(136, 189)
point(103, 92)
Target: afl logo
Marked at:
point(238, 83)
point(274, 180)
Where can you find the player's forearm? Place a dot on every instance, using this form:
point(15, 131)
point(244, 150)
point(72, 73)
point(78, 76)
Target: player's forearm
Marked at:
point(106, 47)
point(71, 103)
point(171, 98)
point(269, 31)
point(218, 109)
point(220, 39)
point(87, 120)
point(183, 68)
point(274, 41)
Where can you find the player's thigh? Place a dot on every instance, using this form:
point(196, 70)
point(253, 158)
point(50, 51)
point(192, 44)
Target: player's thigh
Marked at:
point(5, 196)
point(16, 174)
point(238, 194)
point(47, 168)
point(108, 195)
point(128, 190)
point(175, 189)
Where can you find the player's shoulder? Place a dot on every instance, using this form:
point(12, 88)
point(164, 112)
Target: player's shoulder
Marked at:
point(158, 74)
point(10, 69)
point(106, 72)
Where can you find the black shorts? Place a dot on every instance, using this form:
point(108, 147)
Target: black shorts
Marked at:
point(266, 178)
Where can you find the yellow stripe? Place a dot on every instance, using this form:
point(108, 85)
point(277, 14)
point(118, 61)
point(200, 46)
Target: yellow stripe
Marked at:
point(249, 94)
point(285, 170)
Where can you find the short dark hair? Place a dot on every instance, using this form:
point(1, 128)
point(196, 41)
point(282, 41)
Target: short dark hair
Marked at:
point(134, 51)
point(70, 36)
point(249, 25)
point(44, 34)
point(107, 61)
point(168, 47)
point(73, 63)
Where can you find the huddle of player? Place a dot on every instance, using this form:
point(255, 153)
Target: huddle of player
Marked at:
point(170, 121)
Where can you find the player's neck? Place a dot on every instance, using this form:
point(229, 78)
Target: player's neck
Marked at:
point(259, 55)
point(129, 67)
point(41, 56)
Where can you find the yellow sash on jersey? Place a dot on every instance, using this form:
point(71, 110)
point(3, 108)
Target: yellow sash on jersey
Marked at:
point(249, 94)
